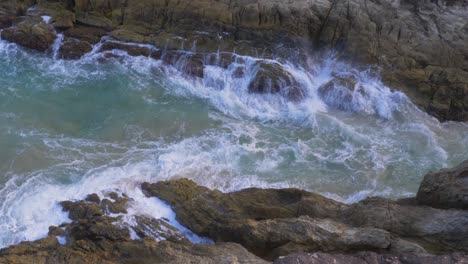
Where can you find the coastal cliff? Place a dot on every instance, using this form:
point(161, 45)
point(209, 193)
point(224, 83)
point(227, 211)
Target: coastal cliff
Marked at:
point(420, 46)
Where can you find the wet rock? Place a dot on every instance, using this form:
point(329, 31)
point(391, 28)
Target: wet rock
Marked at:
point(131, 49)
point(89, 34)
point(269, 222)
point(369, 258)
point(31, 33)
point(56, 231)
point(191, 64)
point(271, 78)
point(158, 228)
point(94, 198)
point(107, 251)
point(339, 92)
point(81, 210)
point(118, 206)
point(73, 49)
point(445, 189)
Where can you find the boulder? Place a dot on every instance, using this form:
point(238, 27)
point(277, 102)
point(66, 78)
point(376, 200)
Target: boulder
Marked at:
point(271, 78)
point(447, 188)
point(73, 49)
point(31, 33)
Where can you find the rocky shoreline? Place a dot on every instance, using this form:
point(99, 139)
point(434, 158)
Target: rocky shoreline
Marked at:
point(421, 46)
point(263, 226)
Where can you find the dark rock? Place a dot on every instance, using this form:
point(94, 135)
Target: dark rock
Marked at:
point(158, 228)
point(132, 50)
point(339, 92)
point(119, 206)
point(89, 34)
point(56, 231)
point(81, 210)
point(31, 34)
point(188, 63)
point(94, 198)
point(273, 79)
point(6, 22)
point(369, 258)
point(73, 49)
point(446, 189)
point(266, 221)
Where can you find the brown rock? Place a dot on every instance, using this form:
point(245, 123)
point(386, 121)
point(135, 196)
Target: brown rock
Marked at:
point(73, 49)
point(131, 49)
point(88, 34)
point(369, 258)
point(446, 189)
point(31, 34)
point(265, 221)
point(273, 79)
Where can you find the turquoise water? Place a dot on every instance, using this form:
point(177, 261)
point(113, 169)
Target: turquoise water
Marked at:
point(70, 128)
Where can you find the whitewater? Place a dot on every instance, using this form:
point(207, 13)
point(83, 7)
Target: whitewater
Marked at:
point(106, 124)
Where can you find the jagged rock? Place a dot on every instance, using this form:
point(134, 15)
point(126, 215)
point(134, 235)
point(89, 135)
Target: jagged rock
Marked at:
point(252, 217)
point(406, 38)
point(158, 228)
point(93, 19)
point(73, 49)
point(94, 198)
point(272, 78)
point(446, 189)
point(370, 258)
point(132, 50)
point(118, 206)
point(93, 237)
point(339, 92)
point(188, 63)
point(31, 33)
point(48, 250)
point(88, 34)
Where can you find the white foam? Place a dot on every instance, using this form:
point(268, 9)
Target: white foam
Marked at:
point(46, 19)
point(378, 145)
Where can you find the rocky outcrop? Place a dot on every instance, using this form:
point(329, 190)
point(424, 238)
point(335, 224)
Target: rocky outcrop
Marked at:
point(272, 223)
point(369, 258)
point(281, 225)
point(31, 33)
point(446, 189)
point(420, 45)
point(94, 237)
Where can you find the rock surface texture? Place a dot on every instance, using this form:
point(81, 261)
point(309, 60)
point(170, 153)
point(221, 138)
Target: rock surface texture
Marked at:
point(421, 46)
point(255, 226)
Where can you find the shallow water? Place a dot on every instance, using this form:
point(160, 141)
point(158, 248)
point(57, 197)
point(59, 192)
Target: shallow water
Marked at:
point(70, 128)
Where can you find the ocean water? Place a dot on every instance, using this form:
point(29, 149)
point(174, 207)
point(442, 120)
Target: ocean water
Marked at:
point(70, 128)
